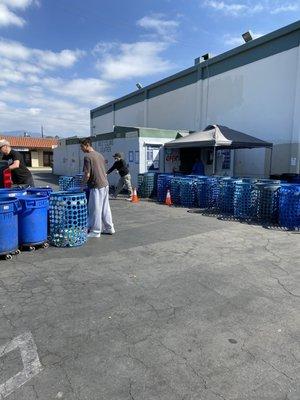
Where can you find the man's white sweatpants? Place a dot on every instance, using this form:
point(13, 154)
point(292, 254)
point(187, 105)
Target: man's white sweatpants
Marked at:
point(100, 218)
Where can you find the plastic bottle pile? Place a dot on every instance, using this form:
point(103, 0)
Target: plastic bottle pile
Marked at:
point(71, 182)
point(260, 200)
point(147, 184)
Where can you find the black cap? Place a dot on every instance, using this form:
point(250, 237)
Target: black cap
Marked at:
point(119, 155)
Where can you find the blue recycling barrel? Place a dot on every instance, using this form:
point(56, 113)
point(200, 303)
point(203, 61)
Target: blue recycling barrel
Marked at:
point(9, 208)
point(265, 202)
point(175, 189)
point(188, 197)
point(226, 196)
point(289, 206)
point(13, 192)
point(68, 219)
point(46, 191)
point(163, 185)
point(213, 190)
point(243, 199)
point(33, 220)
point(201, 191)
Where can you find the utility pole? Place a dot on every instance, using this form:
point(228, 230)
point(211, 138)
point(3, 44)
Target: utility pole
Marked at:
point(42, 131)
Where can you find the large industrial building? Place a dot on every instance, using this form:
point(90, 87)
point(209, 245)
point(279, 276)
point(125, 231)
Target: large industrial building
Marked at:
point(254, 89)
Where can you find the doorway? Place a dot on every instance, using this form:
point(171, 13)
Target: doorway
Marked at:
point(48, 158)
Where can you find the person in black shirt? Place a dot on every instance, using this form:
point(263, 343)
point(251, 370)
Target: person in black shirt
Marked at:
point(19, 172)
point(125, 178)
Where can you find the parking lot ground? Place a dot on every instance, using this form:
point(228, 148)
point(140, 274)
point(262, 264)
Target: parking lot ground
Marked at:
point(174, 306)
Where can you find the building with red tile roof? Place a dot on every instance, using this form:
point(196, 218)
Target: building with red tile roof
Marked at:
point(37, 152)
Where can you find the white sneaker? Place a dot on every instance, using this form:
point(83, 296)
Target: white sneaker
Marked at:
point(109, 231)
point(94, 234)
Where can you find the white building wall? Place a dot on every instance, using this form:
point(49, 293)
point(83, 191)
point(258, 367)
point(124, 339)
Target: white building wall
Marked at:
point(174, 110)
point(257, 99)
point(260, 98)
point(66, 159)
point(102, 124)
point(125, 116)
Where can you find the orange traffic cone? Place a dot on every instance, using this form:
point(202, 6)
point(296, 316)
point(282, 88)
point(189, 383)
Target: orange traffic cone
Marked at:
point(134, 198)
point(168, 201)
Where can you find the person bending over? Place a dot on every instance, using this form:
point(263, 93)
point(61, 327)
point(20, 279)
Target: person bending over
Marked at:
point(20, 174)
point(125, 178)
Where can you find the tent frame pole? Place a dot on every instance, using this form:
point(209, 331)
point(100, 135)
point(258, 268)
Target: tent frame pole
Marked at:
point(271, 160)
point(214, 161)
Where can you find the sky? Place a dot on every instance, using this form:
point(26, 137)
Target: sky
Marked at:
point(61, 58)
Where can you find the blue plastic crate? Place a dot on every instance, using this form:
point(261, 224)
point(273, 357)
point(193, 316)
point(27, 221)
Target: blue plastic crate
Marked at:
point(212, 193)
point(243, 200)
point(70, 182)
point(187, 190)
point(163, 185)
point(201, 191)
point(175, 190)
point(265, 202)
point(289, 206)
point(147, 184)
point(226, 196)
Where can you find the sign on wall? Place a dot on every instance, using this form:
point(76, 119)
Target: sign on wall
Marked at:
point(104, 146)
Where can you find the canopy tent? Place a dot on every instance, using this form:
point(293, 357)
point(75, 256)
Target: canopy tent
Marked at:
point(219, 137)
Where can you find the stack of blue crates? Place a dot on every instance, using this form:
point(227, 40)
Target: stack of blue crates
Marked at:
point(213, 190)
point(289, 206)
point(163, 185)
point(187, 192)
point(175, 190)
point(243, 200)
point(265, 203)
point(201, 191)
point(226, 196)
point(147, 184)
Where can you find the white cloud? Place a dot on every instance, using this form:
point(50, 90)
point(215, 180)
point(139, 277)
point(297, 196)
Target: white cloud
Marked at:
point(246, 7)
point(7, 11)
point(43, 59)
point(7, 17)
point(140, 58)
point(59, 117)
point(237, 40)
point(165, 28)
point(90, 91)
point(285, 8)
point(49, 59)
point(7, 75)
point(134, 60)
point(14, 50)
point(35, 93)
point(228, 8)
point(34, 111)
point(18, 3)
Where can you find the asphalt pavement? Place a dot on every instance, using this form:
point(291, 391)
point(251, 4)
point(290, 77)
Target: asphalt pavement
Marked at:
point(174, 306)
